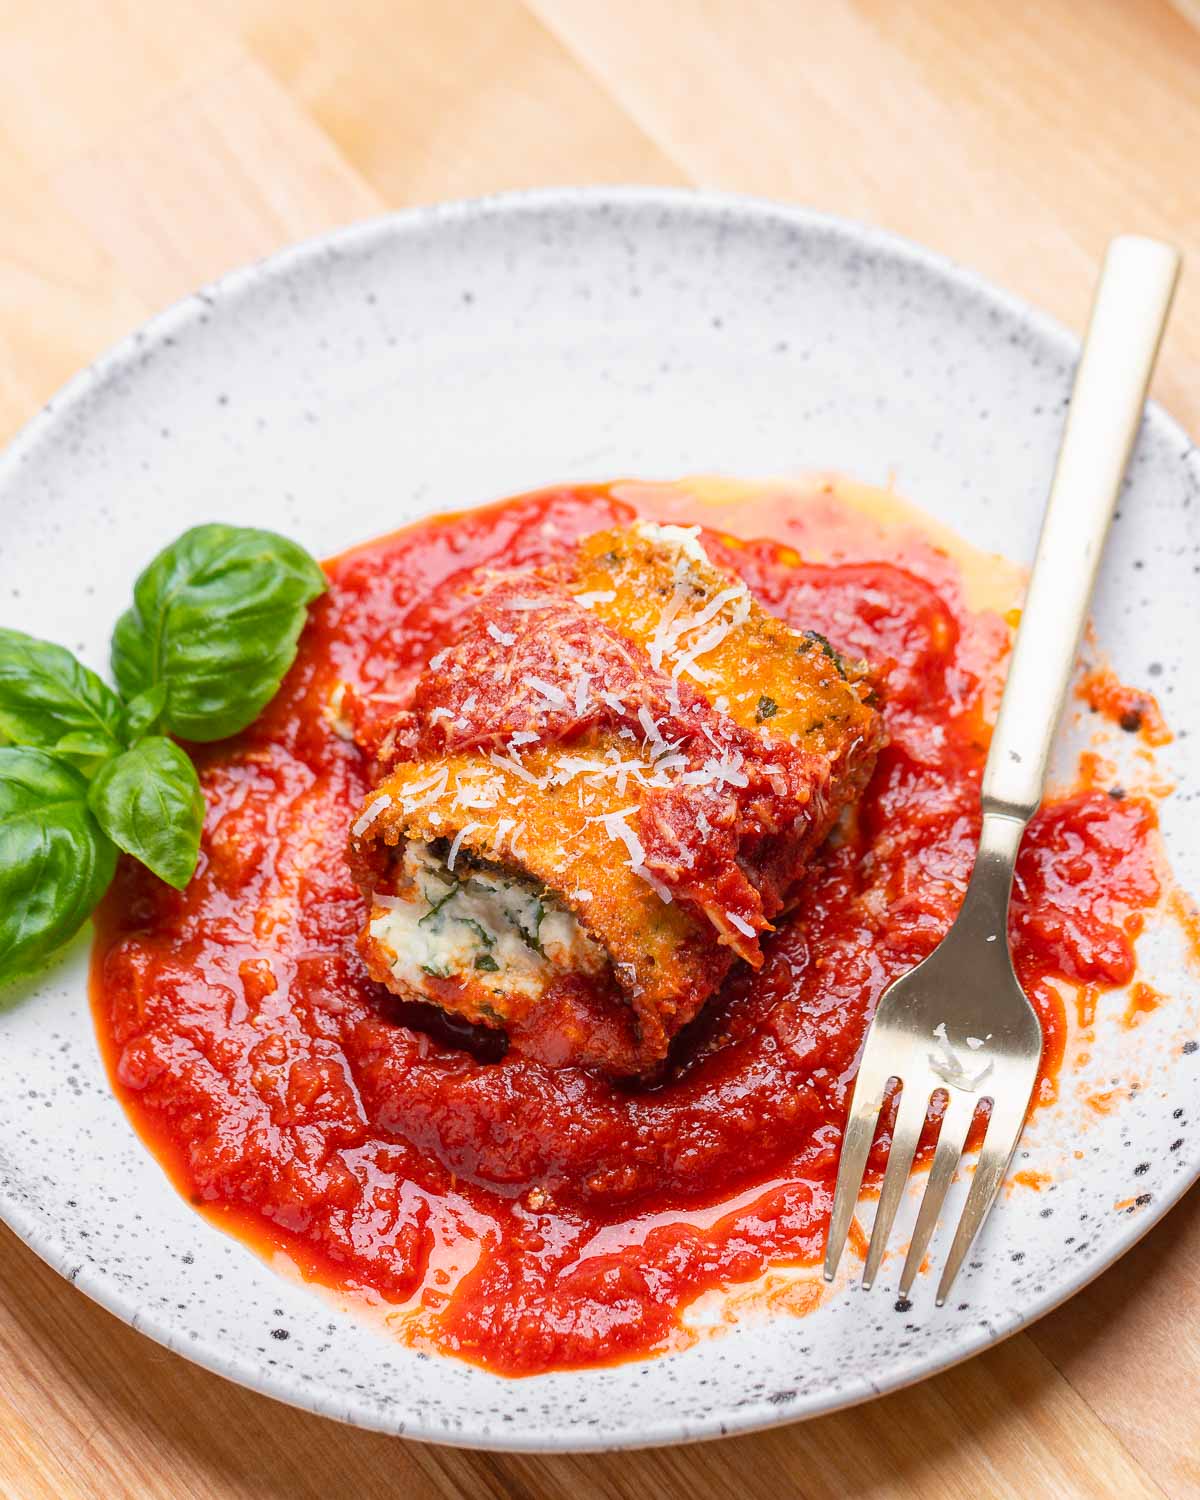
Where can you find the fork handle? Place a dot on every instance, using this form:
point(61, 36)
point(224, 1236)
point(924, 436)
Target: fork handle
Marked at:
point(1128, 316)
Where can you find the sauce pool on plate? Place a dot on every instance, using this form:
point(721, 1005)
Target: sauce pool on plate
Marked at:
point(526, 1218)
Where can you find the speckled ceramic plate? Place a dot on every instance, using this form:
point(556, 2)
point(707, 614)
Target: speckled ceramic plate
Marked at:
point(448, 356)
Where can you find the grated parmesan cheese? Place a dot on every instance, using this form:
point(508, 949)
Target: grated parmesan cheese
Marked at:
point(685, 538)
point(511, 763)
point(620, 832)
point(425, 791)
point(548, 691)
point(370, 813)
point(948, 1065)
point(715, 634)
point(462, 833)
point(653, 733)
point(479, 795)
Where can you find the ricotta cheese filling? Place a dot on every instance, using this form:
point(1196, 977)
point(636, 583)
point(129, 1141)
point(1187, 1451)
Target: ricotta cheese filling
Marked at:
point(489, 927)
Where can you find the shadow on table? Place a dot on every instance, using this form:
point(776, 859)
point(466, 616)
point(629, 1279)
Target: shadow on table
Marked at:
point(149, 1423)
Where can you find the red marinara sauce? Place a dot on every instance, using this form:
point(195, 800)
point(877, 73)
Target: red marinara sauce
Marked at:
point(531, 1219)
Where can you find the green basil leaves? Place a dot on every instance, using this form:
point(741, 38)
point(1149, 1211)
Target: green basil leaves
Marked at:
point(86, 771)
point(149, 802)
point(50, 700)
point(55, 862)
point(215, 620)
point(141, 714)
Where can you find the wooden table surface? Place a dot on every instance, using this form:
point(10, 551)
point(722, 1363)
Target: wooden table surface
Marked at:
point(147, 147)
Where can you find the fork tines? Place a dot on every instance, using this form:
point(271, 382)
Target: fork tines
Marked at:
point(1002, 1132)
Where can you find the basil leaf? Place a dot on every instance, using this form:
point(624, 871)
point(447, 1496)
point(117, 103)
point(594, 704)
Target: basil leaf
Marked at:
point(46, 697)
point(84, 750)
point(815, 638)
point(216, 617)
point(149, 802)
point(55, 863)
point(143, 714)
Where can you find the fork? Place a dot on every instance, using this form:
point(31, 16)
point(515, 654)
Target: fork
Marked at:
point(959, 1022)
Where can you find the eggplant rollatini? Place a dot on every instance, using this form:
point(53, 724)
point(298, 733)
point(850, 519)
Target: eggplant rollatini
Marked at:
point(601, 794)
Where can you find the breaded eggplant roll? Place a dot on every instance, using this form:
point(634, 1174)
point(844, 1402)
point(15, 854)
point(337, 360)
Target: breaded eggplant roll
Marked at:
point(602, 793)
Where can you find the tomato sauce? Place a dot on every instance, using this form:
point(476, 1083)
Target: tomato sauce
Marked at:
point(1135, 711)
point(525, 1218)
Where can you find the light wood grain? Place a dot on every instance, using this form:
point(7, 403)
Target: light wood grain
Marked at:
point(145, 148)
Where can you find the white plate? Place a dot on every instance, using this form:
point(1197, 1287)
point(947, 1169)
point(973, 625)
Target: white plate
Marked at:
point(448, 356)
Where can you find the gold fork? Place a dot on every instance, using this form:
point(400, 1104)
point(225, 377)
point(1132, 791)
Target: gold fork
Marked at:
point(959, 1023)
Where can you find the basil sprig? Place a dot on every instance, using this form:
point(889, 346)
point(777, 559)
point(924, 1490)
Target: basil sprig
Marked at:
point(85, 771)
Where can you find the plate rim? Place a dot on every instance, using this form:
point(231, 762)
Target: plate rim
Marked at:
point(354, 238)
